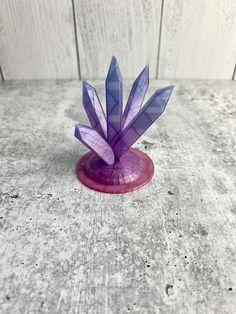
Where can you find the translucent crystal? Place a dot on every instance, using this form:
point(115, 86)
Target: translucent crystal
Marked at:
point(94, 109)
point(114, 100)
point(113, 134)
point(136, 97)
point(95, 142)
point(142, 121)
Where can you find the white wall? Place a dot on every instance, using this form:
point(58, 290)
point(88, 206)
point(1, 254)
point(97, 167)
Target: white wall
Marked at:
point(44, 39)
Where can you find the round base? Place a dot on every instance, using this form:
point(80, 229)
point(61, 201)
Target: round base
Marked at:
point(132, 171)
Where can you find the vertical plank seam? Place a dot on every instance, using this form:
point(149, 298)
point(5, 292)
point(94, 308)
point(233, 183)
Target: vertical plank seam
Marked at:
point(76, 40)
point(159, 39)
point(233, 76)
point(1, 74)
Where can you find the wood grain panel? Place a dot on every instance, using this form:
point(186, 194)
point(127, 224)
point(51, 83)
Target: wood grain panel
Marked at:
point(198, 39)
point(37, 39)
point(127, 29)
point(234, 72)
point(1, 75)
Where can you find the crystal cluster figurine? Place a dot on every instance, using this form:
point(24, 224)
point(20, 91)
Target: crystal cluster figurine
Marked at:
point(112, 166)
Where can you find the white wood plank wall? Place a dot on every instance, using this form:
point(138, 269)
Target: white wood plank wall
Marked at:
point(37, 39)
point(198, 39)
point(127, 29)
point(47, 39)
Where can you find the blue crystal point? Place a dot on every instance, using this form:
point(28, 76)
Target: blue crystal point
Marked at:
point(136, 96)
point(94, 109)
point(95, 142)
point(153, 108)
point(114, 100)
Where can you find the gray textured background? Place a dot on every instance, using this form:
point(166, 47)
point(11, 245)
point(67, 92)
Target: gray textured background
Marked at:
point(167, 248)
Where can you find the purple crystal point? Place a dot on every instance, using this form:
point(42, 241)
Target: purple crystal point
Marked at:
point(136, 97)
point(95, 142)
point(113, 166)
point(94, 109)
point(114, 99)
point(143, 120)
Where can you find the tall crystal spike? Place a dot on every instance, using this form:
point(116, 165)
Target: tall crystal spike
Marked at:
point(143, 120)
point(136, 97)
point(95, 142)
point(114, 98)
point(94, 109)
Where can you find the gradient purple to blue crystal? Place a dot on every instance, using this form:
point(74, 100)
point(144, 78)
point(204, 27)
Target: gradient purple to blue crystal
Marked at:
point(112, 135)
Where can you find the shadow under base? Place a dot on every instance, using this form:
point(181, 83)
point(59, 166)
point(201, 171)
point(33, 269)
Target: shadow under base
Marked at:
point(132, 171)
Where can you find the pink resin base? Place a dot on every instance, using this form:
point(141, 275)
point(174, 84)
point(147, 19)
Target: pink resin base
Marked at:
point(132, 171)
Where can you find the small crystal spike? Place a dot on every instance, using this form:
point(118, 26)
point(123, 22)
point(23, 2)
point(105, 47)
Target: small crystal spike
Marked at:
point(143, 120)
point(94, 141)
point(114, 98)
point(136, 97)
point(94, 109)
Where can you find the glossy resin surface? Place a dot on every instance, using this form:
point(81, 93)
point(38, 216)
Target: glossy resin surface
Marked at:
point(131, 172)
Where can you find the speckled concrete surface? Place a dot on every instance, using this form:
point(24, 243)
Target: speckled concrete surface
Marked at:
point(167, 248)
